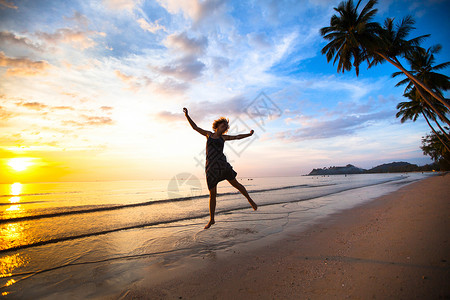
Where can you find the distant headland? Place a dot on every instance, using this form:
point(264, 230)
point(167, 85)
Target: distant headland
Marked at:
point(394, 167)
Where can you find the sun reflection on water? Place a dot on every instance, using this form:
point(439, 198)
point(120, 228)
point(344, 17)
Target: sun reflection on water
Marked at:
point(12, 234)
point(14, 199)
point(16, 188)
point(14, 210)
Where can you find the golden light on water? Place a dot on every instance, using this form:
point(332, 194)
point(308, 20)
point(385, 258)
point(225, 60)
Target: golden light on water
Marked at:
point(16, 188)
point(9, 263)
point(14, 199)
point(19, 164)
point(11, 235)
point(13, 207)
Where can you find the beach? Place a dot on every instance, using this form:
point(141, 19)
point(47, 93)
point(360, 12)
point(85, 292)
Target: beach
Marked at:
point(393, 247)
point(359, 236)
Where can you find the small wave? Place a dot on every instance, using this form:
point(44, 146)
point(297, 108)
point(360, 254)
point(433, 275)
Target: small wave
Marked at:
point(21, 203)
point(162, 201)
point(192, 217)
point(38, 194)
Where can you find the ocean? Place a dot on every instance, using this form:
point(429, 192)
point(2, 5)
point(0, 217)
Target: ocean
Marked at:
point(92, 239)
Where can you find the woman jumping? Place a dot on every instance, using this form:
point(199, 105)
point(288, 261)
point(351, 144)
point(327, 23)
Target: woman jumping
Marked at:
point(217, 168)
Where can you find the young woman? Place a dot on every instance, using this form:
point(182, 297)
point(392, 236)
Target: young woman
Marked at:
point(217, 168)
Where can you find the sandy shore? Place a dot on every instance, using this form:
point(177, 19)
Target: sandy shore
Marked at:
point(395, 247)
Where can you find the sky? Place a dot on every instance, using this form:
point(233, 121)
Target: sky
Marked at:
point(94, 90)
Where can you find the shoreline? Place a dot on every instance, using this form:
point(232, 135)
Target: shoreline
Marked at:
point(394, 246)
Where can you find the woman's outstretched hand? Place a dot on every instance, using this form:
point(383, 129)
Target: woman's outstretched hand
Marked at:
point(251, 132)
point(185, 111)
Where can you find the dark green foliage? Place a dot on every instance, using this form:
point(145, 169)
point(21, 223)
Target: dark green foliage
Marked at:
point(433, 147)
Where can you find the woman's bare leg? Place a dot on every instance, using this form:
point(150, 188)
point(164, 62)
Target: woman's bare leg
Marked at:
point(243, 191)
point(212, 206)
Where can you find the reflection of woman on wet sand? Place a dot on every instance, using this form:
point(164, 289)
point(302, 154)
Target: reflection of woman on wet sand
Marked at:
point(217, 167)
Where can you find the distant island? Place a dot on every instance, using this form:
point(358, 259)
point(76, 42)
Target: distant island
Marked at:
point(394, 167)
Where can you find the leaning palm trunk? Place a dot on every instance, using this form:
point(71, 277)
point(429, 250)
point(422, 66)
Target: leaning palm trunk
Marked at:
point(440, 127)
point(436, 110)
point(443, 143)
point(417, 82)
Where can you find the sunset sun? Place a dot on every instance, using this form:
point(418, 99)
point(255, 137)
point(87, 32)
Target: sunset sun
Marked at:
point(20, 163)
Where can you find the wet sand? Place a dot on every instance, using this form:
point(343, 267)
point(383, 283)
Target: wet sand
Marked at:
point(394, 247)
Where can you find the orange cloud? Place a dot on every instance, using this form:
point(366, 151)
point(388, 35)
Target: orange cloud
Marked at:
point(134, 83)
point(7, 4)
point(4, 114)
point(23, 66)
point(63, 107)
point(94, 120)
point(79, 39)
point(33, 105)
point(106, 108)
point(90, 121)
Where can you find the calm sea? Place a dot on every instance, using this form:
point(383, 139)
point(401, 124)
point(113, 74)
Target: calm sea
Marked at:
point(56, 238)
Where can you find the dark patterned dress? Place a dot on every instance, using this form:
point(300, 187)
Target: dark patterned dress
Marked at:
point(217, 168)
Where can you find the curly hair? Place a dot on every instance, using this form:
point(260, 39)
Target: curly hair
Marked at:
point(219, 121)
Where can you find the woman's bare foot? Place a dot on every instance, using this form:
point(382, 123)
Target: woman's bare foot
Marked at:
point(209, 224)
point(253, 204)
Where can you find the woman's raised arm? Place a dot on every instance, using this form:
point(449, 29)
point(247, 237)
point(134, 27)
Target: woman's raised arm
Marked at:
point(237, 137)
point(193, 125)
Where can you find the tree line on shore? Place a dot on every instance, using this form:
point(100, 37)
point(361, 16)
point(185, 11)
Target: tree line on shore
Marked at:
point(394, 167)
point(355, 38)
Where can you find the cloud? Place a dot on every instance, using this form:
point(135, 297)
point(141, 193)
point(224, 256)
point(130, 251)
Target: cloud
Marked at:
point(170, 86)
point(208, 110)
point(4, 3)
point(165, 86)
point(168, 116)
point(90, 121)
point(127, 5)
point(32, 105)
point(95, 120)
point(194, 9)
point(188, 65)
point(258, 40)
point(187, 68)
point(154, 27)
point(13, 39)
point(315, 129)
point(76, 38)
point(63, 108)
point(23, 66)
point(183, 43)
point(134, 83)
point(4, 114)
point(219, 63)
point(79, 19)
point(233, 106)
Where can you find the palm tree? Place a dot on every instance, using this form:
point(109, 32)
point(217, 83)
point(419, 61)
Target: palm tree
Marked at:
point(347, 32)
point(423, 66)
point(410, 110)
point(354, 38)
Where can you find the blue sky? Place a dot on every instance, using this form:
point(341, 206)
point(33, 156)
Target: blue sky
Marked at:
point(94, 90)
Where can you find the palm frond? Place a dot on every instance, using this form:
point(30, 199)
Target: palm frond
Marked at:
point(441, 66)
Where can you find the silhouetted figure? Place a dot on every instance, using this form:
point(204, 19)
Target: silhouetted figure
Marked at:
point(217, 168)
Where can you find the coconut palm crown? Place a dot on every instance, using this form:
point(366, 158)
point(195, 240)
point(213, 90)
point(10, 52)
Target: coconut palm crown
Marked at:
point(350, 35)
point(423, 67)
